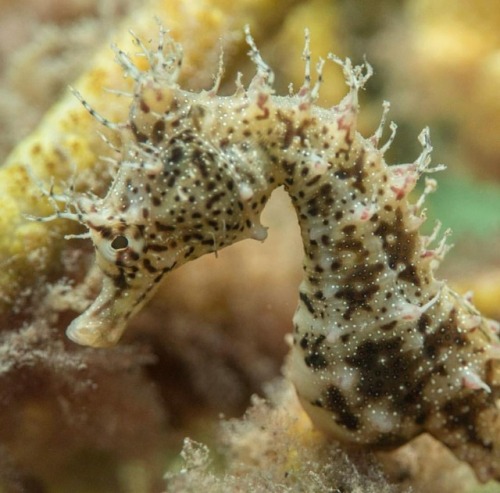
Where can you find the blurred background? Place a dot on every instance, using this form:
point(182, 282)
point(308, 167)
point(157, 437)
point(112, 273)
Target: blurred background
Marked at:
point(215, 332)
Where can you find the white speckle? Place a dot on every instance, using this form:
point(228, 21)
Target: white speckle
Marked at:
point(473, 381)
point(246, 192)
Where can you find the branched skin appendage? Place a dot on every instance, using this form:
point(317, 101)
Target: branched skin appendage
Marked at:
point(382, 351)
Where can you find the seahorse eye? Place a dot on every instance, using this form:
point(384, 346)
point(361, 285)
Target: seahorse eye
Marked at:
point(119, 242)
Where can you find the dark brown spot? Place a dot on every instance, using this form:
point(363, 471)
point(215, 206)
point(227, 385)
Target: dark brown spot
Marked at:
point(149, 266)
point(154, 247)
point(139, 136)
point(144, 106)
point(158, 132)
point(261, 103)
point(196, 113)
point(304, 342)
point(305, 299)
point(104, 231)
point(335, 401)
point(446, 336)
point(352, 245)
point(164, 227)
point(349, 229)
point(345, 338)
point(400, 246)
point(288, 167)
point(316, 359)
point(387, 370)
point(389, 326)
point(176, 154)
point(313, 181)
point(424, 323)
point(464, 414)
point(356, 298)
point(366, 273)
point(289, 129)
point(388, 441)
point(120, 280)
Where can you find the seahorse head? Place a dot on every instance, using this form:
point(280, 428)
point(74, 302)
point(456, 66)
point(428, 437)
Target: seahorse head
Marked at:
point(131, 262)
point(180, 190)
point(144, 226)
point(174, 198)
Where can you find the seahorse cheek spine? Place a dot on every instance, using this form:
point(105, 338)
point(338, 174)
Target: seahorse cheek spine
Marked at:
point(382, 351)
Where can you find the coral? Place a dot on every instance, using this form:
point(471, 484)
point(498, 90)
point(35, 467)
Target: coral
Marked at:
point(48, 43)
point(274, 448)
point(64, 401)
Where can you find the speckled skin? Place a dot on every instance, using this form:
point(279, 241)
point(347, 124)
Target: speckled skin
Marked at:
point(382, 351)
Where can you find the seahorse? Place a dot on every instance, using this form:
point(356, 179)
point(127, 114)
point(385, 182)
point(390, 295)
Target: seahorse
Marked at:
point(382, 350)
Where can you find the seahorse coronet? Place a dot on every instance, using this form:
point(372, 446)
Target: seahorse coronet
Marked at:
point(382, 351)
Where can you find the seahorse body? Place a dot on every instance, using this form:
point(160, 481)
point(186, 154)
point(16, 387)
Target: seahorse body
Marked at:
point(382, 351)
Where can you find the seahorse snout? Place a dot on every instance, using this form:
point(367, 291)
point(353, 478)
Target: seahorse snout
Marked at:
point(103, 323)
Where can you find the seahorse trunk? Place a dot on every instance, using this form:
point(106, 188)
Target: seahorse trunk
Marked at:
point(382, 351)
